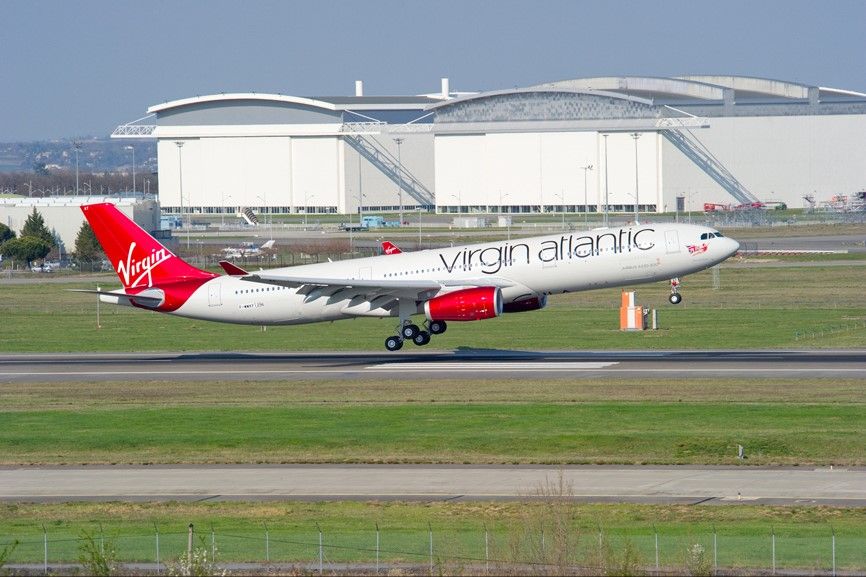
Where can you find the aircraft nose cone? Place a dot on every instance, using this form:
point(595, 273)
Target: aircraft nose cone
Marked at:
point(733, 246)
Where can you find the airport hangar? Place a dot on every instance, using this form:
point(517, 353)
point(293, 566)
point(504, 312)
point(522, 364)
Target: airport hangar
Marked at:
point(675, 143)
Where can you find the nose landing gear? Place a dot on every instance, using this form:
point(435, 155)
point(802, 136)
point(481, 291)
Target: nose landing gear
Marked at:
point(675, 298)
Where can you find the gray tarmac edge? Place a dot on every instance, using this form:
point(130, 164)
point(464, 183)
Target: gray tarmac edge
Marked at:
point(431, 483)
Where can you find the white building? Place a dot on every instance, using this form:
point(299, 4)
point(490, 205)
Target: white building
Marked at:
point(573, 145)
point(63, 216)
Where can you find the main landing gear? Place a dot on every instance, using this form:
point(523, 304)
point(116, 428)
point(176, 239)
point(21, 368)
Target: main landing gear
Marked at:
point(412, 332)
point(675, 298)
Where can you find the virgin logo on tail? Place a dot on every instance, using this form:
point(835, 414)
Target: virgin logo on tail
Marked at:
point(139, 269)
point(390, 248)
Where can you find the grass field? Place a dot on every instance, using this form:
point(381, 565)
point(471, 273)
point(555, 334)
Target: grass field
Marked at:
point(743, 533)
point(641, 420)
point(436, 421)
point(755, 307)
point(443, 421)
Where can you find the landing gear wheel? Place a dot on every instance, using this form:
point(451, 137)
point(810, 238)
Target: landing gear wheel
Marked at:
point(675, 297)
point(394, 343)
point(437, 327)
point(409, 331)
point(422, 338)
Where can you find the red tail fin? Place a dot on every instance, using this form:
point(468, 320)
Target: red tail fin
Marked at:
point(139, 259)
point(390, 248)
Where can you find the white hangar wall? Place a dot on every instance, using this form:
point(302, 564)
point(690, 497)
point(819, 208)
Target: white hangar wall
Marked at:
point(778, 158)
point(280, 173)
point(526, 170)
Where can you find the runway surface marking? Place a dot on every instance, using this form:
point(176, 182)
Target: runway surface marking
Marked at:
point(497, 366)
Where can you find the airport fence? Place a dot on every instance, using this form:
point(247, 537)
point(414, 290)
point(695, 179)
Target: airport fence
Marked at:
point(526, 550)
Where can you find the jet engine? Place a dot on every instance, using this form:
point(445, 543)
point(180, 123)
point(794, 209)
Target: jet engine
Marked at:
point(531, 303)
point(472, 304)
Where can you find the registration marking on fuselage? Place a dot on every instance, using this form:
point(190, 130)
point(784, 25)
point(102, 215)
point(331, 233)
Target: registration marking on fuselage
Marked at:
point(497, 366)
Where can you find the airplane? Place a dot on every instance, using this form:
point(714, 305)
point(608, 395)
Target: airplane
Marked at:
point(389, 247)
point(460, 283)
point(248, 250)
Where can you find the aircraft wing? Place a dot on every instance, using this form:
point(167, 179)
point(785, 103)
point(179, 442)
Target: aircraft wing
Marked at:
point(352, 288)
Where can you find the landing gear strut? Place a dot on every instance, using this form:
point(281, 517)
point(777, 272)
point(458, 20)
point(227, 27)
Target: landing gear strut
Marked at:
point(408, 331)
point(675, 298)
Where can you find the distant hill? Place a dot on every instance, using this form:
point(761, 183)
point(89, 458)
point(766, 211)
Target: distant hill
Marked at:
point(96, 155)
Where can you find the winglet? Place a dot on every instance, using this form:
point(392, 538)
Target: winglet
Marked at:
point(231, 269)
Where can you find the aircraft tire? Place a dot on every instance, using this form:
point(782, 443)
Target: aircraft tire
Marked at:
point(409, 331)
point(422, 338)
point(393, 343)
point(438, 327)
point(675, 298)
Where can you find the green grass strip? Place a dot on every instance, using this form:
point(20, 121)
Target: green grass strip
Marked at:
point(743, 533)
point(704, 433)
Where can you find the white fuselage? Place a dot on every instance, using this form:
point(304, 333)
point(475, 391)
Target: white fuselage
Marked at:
point(566, 262)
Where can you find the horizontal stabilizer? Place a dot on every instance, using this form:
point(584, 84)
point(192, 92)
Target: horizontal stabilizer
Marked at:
point(150, 298)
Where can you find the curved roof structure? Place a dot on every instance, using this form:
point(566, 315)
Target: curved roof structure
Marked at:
point(594, 98)
point(327, 103)
point(649, 87)
point(706, 87)
point(753, 87)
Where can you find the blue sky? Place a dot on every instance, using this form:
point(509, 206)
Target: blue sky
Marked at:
point(79, 68)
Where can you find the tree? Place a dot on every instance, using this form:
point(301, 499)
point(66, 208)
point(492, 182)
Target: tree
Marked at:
point(25, 248)
point(6, 233)
point(87, 248)
point(35, 226)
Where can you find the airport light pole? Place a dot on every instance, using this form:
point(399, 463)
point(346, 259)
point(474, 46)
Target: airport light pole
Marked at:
point(77, 147)
point(223, 208)
point(636, 135)
point(132, 148)
point(399, 141)
point(508, 222)
point(180, 144)
point(605, 181)
point(561, 196)
point(585, 169)
point(262, 211)
point(459, 202)
point(306, 207)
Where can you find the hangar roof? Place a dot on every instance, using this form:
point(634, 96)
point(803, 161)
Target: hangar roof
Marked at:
point(701, 87)
point(330, 103)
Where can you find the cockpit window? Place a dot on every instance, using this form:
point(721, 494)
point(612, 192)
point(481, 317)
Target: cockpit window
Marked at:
point(708, 235)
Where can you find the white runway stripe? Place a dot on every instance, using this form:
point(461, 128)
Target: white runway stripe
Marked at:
point(499, 366)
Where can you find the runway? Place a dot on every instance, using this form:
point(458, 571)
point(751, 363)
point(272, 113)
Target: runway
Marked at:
point(474, 363)
point(672, 484)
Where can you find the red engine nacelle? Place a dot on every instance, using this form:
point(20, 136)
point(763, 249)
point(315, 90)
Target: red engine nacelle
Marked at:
point(532, 303)
point(472, 304)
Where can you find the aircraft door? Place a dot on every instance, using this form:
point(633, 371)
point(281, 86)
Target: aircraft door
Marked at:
point(214, 296)
point(365, 273)
point(672, 241)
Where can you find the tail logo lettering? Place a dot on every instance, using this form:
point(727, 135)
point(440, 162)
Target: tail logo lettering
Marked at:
point(139, 270)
